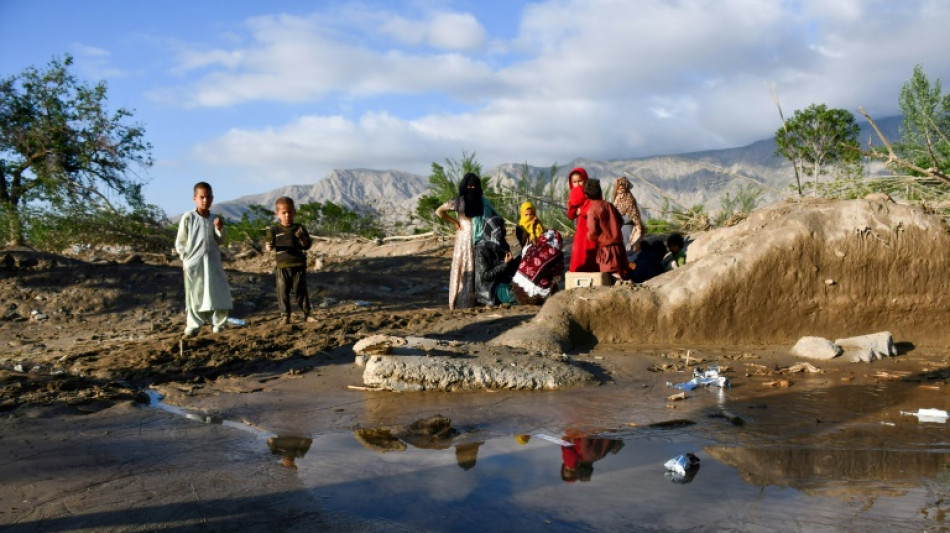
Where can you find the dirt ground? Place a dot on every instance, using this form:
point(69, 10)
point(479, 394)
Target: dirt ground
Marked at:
point(86, 334)
point(83, 331)
point(89, 330)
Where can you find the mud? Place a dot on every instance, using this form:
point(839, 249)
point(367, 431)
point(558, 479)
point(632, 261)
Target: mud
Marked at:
point(265, 433)
point(806, 268)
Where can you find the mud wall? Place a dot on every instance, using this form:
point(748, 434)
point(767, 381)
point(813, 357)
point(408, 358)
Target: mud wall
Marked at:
point(815, 267)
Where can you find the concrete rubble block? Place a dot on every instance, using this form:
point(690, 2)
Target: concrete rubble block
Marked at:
point(880, 345)
point(421, 373)
point(816, 348)
point(378, 344)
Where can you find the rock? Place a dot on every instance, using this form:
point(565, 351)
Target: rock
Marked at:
point(867, 348)
point(437, 427)
point(378, 344)
point(379, 440)
point(816, 348)
point(862, 355)
point(422, 373)
point(881, 343)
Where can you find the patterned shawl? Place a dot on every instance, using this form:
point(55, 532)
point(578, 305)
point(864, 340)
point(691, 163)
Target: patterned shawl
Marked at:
point(534, 260)
point(627, 205)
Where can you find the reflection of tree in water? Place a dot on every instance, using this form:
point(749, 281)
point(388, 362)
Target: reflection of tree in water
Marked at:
point(578, 460)
point(433, 433)
point(289, 449)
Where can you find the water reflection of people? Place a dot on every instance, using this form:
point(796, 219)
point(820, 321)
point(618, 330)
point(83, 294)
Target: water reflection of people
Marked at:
point(289, 448)
point(578, 460)
point(467, 454)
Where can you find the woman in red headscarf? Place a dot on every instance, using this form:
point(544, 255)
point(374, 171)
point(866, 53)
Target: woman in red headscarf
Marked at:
point(584, 252)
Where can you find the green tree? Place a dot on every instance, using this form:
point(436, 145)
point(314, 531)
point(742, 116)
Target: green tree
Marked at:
point(319, 219)
point(252, 224)
point(820, 141)
point(62, 149)
point(924, 134)
point(745, 199)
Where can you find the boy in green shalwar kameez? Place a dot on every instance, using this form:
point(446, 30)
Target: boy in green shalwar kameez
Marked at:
point(207, 295)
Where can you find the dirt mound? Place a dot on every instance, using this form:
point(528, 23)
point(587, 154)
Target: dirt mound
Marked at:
point(811, 267)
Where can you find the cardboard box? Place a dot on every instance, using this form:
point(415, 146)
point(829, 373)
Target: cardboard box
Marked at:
point(573, 280)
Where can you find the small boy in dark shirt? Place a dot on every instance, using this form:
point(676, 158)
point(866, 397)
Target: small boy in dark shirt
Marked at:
point(290, 241)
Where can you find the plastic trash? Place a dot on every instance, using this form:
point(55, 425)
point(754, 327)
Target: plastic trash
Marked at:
point(236, 321)
point(362, 303)
point(929, 415)
point(555, 440)
point(703, 378)
point(682, 468)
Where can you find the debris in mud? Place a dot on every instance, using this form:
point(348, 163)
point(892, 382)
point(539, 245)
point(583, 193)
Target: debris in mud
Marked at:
point(890, 376)
point(929, 415)
point(682, 468)
point(803, 367)
point(703, 378)
point(780, 383)
point(735, 419)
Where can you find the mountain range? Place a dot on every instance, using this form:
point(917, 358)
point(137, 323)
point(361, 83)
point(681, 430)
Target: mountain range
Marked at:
point(684, 179)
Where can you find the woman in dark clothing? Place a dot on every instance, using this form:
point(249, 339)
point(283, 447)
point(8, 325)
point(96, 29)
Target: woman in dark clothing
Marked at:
point(494, 265)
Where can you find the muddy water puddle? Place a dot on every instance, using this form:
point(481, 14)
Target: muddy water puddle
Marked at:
point(822, 455)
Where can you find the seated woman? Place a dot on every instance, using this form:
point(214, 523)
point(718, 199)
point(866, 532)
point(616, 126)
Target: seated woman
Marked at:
point(540, 267)
point(494, 265)
point(529, 226)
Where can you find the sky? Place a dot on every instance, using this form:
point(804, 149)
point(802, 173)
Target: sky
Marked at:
point(251, 96)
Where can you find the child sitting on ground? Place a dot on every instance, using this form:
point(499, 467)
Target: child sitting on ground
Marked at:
point(648, 262)
point(529, 227)
point(207, 294)
point(677, 256)
point(290, 241)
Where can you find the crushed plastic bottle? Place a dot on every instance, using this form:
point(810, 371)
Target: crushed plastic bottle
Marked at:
point(703, 378)
point(682, 468)
point(236, 321)
point(929, 415)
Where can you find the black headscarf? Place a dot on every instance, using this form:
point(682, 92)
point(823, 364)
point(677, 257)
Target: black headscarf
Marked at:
point(471, 198)
point(495, 233)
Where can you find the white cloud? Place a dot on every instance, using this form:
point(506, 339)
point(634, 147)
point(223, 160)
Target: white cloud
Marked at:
point(455, 31)
point(592, 78)
point(446, 31)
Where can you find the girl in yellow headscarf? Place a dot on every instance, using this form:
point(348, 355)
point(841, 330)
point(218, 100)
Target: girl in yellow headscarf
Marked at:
point(529, 227)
